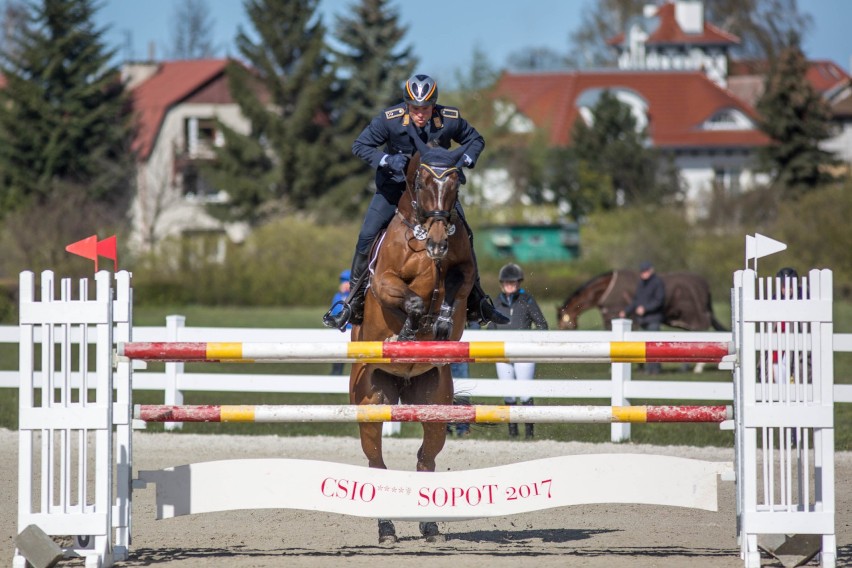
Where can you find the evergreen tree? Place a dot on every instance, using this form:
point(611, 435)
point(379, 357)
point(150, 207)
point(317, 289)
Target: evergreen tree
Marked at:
point(65, 119)
point(797, 119)
point(611, 155)
point(283, 90)
point(372, 67)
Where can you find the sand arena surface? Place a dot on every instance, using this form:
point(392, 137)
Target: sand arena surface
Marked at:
point(589, 536)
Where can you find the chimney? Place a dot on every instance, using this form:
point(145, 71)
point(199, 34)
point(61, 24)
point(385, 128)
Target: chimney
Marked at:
point(690, 16)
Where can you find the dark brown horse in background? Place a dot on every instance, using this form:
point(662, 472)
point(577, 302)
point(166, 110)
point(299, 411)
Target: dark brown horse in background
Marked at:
point(422, 274)
point(688, 304)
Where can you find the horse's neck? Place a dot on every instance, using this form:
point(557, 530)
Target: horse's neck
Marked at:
point(405, 205)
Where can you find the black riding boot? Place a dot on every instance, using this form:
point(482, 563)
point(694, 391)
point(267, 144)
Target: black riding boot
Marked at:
point(479, 305)
point(353, 305)
point(529, 429)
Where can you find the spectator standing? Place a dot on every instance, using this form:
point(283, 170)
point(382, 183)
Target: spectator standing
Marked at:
point(461, 371)
point(647, 305)
point(337, 306)
point(524, 313)
point(787, 285)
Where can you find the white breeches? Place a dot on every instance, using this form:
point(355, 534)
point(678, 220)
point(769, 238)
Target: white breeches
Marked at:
point(516, 372)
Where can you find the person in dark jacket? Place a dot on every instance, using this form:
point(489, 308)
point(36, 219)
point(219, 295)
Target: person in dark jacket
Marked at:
point(524, 313)
point(386, 144)
point(647, 305)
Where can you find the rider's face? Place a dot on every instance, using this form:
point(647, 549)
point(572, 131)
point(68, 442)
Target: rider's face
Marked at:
point(420, 114)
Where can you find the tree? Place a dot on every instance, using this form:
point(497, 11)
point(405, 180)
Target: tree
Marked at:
point(599, 22)
point(536, 59)
point(611, 145)
point(797, 119)
point(283, 90)
point(65, 119)
point(372, 67)
point(192, 30)
point(14, 17)
point(763, 26)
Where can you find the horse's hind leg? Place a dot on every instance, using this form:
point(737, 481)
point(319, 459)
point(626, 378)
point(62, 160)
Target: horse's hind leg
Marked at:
point(371, 386)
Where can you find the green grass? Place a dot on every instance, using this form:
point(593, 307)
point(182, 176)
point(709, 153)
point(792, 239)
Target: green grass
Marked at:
point(309, 317)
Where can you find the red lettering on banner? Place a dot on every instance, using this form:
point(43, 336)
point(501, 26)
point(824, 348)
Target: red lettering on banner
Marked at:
point(423, 500)
point(347, 489)
point(455, 496)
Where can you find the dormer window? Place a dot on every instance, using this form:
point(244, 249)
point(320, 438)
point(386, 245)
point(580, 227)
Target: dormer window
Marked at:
point(728, 119)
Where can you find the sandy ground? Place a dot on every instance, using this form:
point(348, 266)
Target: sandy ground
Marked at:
point(588, 536)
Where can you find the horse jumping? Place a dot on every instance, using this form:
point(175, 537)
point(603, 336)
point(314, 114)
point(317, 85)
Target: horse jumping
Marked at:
point(421, 276)
point(688, 303)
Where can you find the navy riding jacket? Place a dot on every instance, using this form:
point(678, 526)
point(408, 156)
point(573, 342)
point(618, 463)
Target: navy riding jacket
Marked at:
point(388, 133)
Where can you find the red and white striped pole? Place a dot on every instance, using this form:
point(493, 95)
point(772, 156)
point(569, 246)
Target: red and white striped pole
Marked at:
point(432, 413)
point(434, 352)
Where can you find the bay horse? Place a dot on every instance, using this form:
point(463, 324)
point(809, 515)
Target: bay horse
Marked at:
point(688, 303)
point(421, 274)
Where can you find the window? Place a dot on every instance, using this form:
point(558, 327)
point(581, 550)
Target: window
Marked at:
point(201, 137)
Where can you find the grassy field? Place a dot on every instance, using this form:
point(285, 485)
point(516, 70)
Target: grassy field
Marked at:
point(309, 317)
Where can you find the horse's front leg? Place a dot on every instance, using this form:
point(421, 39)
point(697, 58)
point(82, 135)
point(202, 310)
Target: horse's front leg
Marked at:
point(453, 284)
point(393, 293)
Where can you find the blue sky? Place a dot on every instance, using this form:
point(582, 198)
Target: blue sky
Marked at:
point(445, 32)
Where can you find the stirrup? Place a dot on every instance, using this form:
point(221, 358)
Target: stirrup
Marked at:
point(339, 320)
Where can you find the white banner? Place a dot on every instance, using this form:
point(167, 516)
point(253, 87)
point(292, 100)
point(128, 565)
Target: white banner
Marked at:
point(445, 496)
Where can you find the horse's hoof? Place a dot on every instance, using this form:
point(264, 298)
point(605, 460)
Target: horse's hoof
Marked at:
point(431, 532)
point(387, 532)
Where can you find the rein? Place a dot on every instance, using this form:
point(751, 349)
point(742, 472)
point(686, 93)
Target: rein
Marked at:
point(609, 288)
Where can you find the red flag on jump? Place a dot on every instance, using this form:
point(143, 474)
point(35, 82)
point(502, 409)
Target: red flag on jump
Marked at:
point(90, 248)
point(107, 249)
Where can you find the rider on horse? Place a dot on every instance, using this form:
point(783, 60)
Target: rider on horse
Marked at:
point(392, 128)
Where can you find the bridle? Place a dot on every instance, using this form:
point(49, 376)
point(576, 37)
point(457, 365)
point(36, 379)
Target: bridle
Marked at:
point(421, 215)
point(438, 173)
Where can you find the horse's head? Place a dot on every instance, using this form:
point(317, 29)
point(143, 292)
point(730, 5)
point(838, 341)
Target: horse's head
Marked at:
point(567, 315)
point(435, 187)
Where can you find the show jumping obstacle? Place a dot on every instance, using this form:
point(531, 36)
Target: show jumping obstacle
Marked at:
point(478, 414)
point(432, 351)
point(75, 448)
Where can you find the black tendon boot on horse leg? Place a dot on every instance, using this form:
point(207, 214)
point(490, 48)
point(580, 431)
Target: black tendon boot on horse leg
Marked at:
point(529, 428)
point(353, 305)
point(387, 532)
point(479, 305)
point(513, 428)
point(431, 532)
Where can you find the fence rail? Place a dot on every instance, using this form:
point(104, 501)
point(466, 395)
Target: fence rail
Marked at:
point(620, 387)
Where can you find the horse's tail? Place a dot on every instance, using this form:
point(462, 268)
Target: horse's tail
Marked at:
point(716, 324)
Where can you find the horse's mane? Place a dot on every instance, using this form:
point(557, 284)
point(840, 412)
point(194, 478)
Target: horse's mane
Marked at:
point(589, 282)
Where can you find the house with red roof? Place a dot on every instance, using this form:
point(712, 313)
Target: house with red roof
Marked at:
point(673, 74)
point(177, 105)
